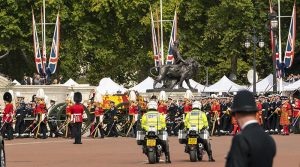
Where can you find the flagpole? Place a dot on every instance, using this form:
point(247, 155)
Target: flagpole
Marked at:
point(44, 29)
point(161, 32)
point(279, 40)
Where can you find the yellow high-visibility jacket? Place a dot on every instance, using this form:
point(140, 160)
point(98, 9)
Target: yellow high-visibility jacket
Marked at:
point(155, 119)
point(196, 118)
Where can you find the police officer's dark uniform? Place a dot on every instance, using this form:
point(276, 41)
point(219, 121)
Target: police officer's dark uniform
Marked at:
point(20, 115)
point(252, 147)
point(112, 117)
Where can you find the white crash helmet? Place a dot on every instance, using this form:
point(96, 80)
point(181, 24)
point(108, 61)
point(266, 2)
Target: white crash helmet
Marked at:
point(152, 105)
point(196, 105)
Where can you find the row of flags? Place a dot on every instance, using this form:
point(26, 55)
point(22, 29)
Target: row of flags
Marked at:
point(156, 49)
point(41, 58)
point(290, 46)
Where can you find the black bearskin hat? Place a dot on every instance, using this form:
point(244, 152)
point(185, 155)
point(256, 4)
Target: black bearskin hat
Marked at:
point(7, 97)
point(244, 102)
point(77, 97)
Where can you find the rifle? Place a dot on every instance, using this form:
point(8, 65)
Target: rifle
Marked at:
point(96, 128)
point(3, 123)
point(38, 126)
point(111, 127)
point(295, 121)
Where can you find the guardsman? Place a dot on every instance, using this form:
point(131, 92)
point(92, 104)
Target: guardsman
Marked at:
point(187, 107)
point(68, 131)
point(154, 118)
point(234, 122)
point(99, 116)
point(252, 147)
point(274, 117)
point(215, 115)
point(296, 110)
point(7, 118)
point(198, 118)
point(41, 111)
point(259, 112)
point(265, 114)
point(162, 107)
point(133, 114)
point(286, 113)
point(77, 112)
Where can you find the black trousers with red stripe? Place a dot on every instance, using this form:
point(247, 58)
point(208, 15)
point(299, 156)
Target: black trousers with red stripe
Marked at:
point(77, 132)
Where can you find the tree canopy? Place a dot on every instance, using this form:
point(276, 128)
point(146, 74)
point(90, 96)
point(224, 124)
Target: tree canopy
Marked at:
point(112, 38)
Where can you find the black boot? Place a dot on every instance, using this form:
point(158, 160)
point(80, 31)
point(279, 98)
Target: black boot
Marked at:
point(210, 158)
point(168, 160)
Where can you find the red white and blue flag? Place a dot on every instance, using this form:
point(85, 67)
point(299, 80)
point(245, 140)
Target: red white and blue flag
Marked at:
point(157, 58)
point(170, 59)
point(291, 41)
point(36, 46)
point(53, 59)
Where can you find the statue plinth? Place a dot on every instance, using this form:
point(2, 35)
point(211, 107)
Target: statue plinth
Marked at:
point(169, 90)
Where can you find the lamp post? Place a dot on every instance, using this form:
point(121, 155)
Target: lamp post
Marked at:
point(256, 41)
point(274, 27)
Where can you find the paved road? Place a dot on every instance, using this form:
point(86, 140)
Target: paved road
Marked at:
point(115, 152)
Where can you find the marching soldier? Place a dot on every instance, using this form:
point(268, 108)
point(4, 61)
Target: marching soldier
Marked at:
point(68, 128)
point(133, 113)
point(285, 113)
point(99, 116)
point(274, 117)
point(41, 112)
point(159, 121)
point(265, 114)
point(20, 115)
point(252, 147)
point(259, 112)
point(112, 117)
point(197, 117)
point(77, 111)
point(215, 115)
point(7, 117)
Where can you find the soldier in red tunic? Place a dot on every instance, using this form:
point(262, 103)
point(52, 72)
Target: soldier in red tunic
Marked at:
point(215, 116)
point(162, 107)
point(41, 111)
point(258, 115)
point(77, 112)
point(187, 107)
point(7, 116)
point(286, 113)
point(296, 110)
point(68, 132)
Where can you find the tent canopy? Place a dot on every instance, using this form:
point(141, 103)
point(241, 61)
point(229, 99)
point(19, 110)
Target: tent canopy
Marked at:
point(70, 82)
point(16, 82)
point(292, 86)
point(144, 85)
point(224, 85)
point(108, 86)
point(266, 84)
point(195, 85)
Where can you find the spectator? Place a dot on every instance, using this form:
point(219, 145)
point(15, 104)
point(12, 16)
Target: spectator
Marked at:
point(48, 76)
point(24, 81)
point(37, 80)
point(55, 81)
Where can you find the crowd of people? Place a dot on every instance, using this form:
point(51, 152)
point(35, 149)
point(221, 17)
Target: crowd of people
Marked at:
point(276, 115)
point(41, 79)
point(292, 78)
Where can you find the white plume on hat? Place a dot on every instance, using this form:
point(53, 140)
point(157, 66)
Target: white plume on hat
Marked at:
point(70, 97)
point(40, 94)
point(162, 96)
point(98, 97)
point(188, 94)
point(214, 96)
point(132, 96)
point(18, 94)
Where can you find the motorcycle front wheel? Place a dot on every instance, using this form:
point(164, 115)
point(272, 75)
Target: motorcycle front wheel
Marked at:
point(193, 155)
point(152, 157)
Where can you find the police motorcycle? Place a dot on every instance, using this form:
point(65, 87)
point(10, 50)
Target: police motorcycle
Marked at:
point(192, 139)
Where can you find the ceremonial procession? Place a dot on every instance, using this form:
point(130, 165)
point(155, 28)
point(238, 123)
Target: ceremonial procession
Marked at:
point(139, 83)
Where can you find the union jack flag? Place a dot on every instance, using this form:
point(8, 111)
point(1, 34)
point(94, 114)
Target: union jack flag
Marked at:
point(291, 41)
point(55, 47)
point(170, 59)
point(36, 46)
point(157, 56)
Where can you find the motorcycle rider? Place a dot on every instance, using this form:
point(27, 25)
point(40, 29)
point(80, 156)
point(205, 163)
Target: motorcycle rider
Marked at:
point(196, 116)
point(159, 121)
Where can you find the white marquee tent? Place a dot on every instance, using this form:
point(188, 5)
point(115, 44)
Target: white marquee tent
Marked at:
point(266, 84)
point(195, 85)
point(144, 85)
point(292, 86)
point(224, 85)
point(108, 86)
point(70, 82)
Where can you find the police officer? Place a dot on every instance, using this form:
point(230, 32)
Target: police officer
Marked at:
point(159, 122)
point(199, 118)
point(252, 147)
point(77, 111)
point(112, 117)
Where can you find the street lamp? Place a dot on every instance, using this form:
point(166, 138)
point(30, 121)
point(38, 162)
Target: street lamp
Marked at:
point(256, 41)
point(274, 27)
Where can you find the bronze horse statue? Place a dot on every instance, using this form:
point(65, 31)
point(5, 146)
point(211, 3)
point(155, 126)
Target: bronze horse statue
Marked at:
point(175, 74)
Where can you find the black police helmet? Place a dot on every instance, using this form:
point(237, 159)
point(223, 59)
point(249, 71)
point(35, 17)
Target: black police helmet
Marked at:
point(244, 102)
point(7, 97)
point(77, 97)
